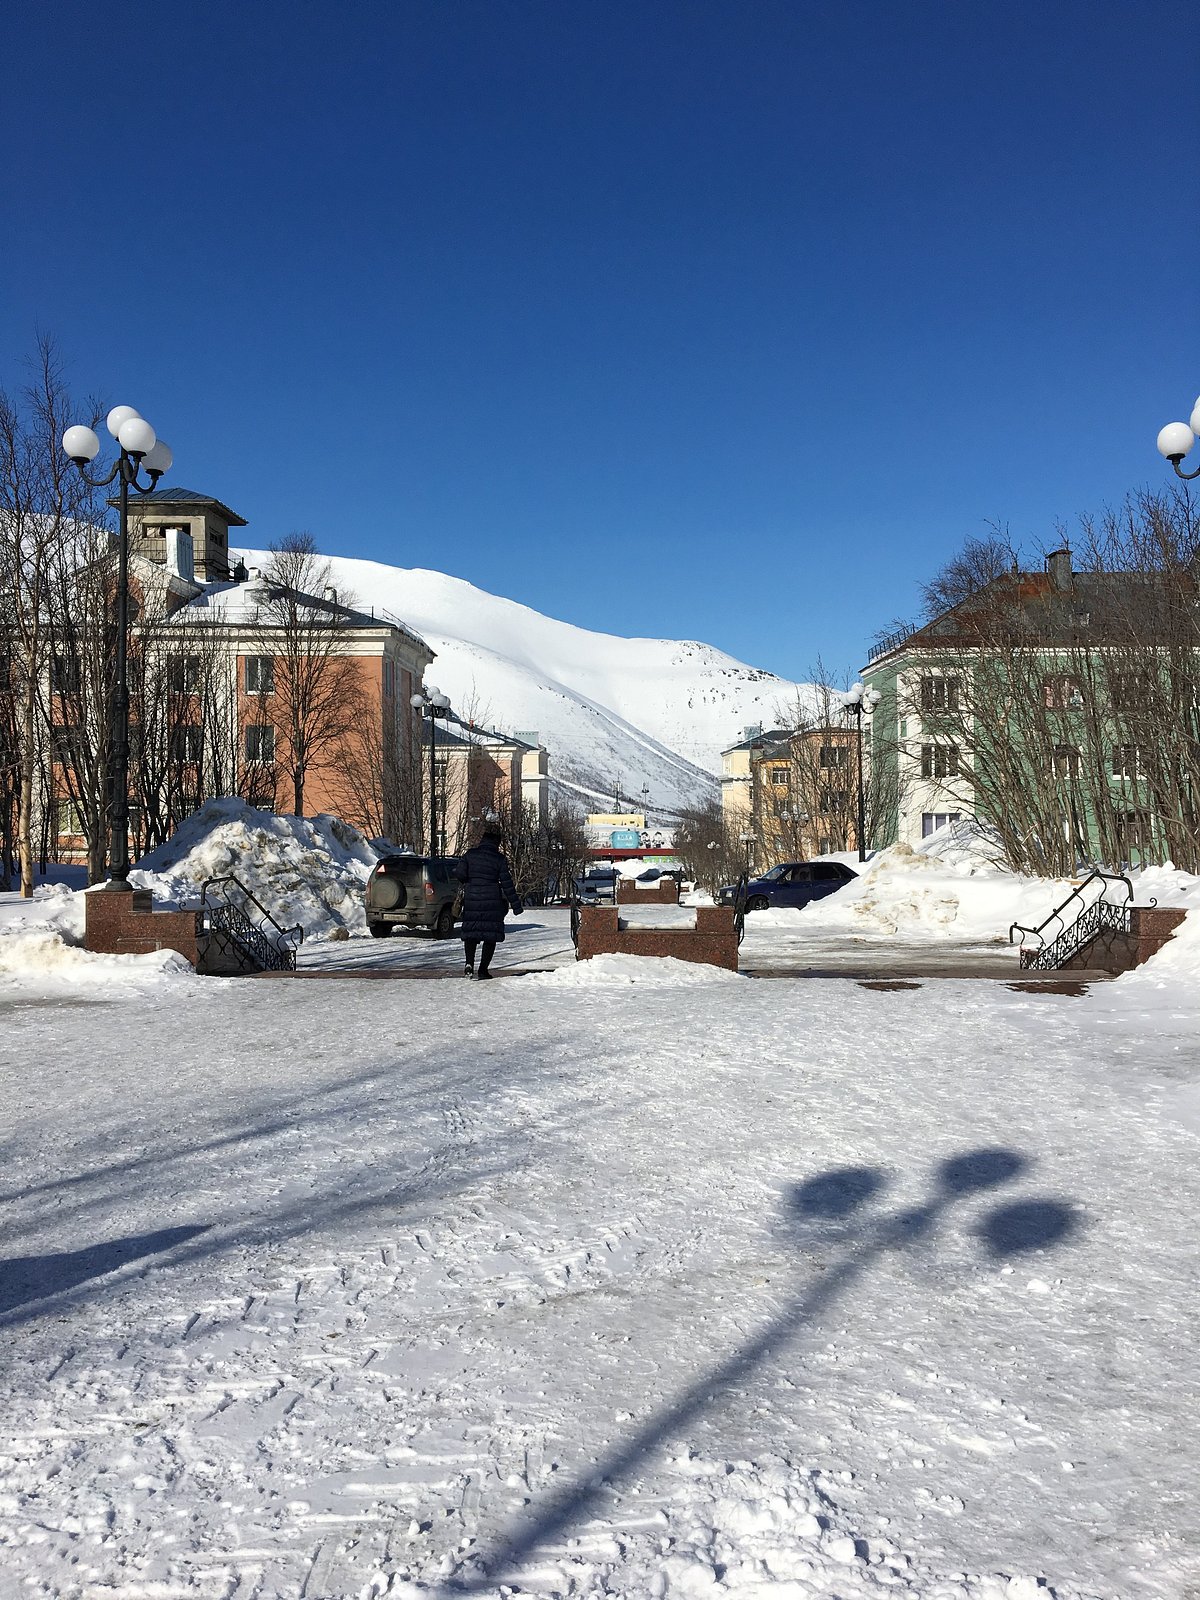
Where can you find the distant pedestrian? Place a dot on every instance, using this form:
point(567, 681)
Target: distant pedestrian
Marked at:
point(489, 892)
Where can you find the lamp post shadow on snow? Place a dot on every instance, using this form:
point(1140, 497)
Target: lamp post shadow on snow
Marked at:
point(834, 1207)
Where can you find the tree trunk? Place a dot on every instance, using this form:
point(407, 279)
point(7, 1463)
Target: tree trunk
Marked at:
point(25, 809)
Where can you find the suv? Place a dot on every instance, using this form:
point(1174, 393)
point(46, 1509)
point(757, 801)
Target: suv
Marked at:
point(413, 892)
point(792, 883)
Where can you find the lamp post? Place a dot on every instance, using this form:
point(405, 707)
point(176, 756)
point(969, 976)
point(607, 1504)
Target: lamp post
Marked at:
point(1176, 440)
point(432, 704)
point(856, 700)
point(140, 450)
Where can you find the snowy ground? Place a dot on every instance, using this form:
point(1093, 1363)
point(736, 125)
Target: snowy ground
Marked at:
point(638, 1281)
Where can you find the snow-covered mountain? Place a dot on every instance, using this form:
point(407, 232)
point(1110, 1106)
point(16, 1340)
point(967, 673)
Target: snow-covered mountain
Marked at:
point(611, 711)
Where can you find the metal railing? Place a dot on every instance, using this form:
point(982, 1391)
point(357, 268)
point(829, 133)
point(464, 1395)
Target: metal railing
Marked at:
point(1069, 938)
point(258, 942)
point(890, 641)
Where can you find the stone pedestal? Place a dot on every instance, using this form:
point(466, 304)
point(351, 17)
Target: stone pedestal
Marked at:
point(124, 923)
point(662, 892)
point(711, 942)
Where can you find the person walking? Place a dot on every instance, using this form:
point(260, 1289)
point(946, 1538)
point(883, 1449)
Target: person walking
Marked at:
point(489, 892)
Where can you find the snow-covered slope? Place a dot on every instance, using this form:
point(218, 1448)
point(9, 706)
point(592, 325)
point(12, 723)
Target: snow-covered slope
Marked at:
point(633, 712)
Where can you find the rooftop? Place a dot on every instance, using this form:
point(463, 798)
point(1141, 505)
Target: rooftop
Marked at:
point(184, 497)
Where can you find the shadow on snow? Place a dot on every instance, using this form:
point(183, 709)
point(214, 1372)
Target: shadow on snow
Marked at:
point(833, 1207)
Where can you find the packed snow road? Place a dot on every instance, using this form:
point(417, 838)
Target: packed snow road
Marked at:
point(625, 1279)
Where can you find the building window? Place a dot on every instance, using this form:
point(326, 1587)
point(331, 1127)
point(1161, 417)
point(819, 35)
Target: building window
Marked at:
point(931, 821)
point(823, 845)
point(780, 806)
point(1130, 690)
point(260, 742)
point(1133, 830)
point(183, 674)
point(67, 742)
point(1061, 692)
point(1066, 761)
point(939, 761)
point(260, 674)
point(64, 674)
point(70, 820)
point(185, 742)
point(831, 801)
point(389, 677)
point(939, 694)
point(1124, 761)
point(833, 755)
point(779, 776)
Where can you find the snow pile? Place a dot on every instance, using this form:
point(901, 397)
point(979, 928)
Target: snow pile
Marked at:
point(651, 972)
point(54, 909)
point(40, 957)
point(41, 950)
point(306, 870)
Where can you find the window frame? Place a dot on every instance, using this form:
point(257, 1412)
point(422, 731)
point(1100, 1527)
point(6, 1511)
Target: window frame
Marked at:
point(265, 735)
point(937, 756)
point(257, 663)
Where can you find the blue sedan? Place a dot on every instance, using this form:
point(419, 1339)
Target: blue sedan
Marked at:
point(791, 883)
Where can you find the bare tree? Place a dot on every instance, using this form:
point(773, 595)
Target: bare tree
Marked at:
point(317, 685)
point(709, 847)
point(1064, 708)
point(43, 504)
point(979, 563)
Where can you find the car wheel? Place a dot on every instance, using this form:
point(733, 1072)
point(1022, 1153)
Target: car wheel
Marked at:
point(758, 902)
point(379, 930)
point(444, 926)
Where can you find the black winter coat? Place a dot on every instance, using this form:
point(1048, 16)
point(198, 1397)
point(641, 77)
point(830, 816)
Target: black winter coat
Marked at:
point(489, 890)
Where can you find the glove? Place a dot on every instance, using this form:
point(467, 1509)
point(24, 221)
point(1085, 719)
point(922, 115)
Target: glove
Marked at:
point(518, 911)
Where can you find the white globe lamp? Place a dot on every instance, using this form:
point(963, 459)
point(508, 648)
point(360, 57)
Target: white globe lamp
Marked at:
point(81, 444)
point(118, 417)
point(136, 436)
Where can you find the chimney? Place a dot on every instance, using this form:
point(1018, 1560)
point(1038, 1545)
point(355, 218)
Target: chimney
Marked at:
point(1058, 565)
point(331, 595)
point(180, 554)
point(257, 592)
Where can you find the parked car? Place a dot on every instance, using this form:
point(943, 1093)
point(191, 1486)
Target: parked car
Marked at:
point(597, 886)
point(792, 883)
point(413, 892)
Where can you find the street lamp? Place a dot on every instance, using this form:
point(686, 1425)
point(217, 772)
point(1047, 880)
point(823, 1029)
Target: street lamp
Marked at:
point(432, 704)
point(140, 450)
point(1177, 439)
point(857, 699)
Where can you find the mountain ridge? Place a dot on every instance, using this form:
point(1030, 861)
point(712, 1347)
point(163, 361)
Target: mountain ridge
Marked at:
point(646, 718)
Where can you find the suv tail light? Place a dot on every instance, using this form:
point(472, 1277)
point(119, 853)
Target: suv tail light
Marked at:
point(430, 892)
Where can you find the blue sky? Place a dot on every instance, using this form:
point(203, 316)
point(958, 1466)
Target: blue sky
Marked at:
point(714, 320)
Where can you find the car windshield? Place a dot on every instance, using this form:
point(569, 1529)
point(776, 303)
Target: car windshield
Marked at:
point(772, 874)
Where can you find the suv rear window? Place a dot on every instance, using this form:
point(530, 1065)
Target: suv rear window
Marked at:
point(409, 868)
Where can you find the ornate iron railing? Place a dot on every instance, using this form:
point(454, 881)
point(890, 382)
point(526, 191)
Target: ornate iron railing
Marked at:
point(1093, 917)
point(255, 939)
point(890, 641)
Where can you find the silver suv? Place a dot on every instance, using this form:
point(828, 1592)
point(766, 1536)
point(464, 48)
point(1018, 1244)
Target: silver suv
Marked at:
point(413, 892)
